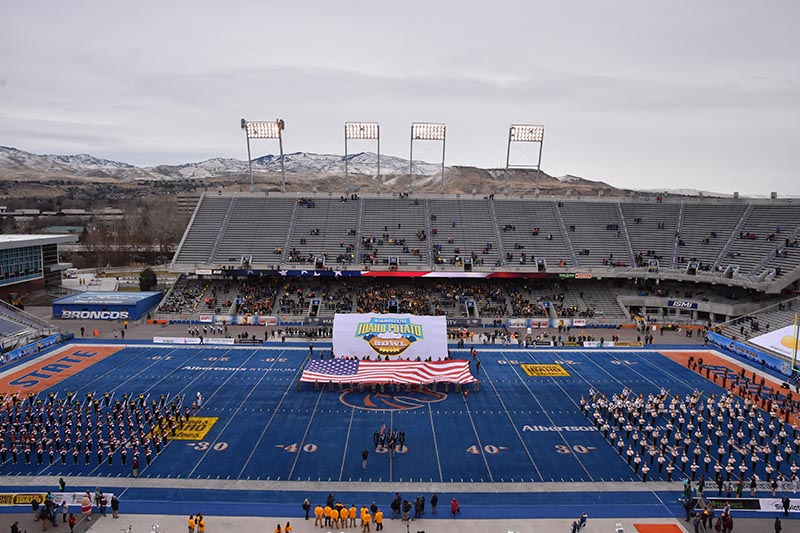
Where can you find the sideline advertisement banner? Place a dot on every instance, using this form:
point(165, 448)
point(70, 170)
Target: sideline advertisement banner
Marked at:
point(781, 341)
point(764, 505)
point(33, 347)
point(73, 499)
point(397, 336)
point(194, 340)
point(750, 353)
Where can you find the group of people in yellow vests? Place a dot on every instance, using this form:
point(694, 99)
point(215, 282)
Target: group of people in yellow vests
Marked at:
point(341, 516)
point(197, 524)
point(286, 529)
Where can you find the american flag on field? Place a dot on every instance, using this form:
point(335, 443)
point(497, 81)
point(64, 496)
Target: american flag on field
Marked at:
point(414, 372)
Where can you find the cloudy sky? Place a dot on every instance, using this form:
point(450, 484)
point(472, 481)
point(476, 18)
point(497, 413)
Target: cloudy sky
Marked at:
point(637, 93)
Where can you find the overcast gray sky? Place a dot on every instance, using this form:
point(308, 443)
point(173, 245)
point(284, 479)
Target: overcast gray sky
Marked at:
point(637, 93)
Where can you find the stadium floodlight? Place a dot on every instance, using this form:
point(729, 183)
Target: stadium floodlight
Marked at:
point(427, 131)
point(269, 130)
point(525, 133)
point(361, 131)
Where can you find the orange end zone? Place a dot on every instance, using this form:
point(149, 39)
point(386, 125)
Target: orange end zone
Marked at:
point(682, 358)
point(55, 368)
point(657, 528)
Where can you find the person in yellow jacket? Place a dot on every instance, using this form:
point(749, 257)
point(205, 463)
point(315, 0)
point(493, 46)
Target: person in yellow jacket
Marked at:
point(334, 517)
point(191, 523)
point(318, 512)
point(201, 524)
point(278, 529)
point(379, 520)
point(287, 528)
point(365, 520)
point(327, 512)
point(353, 512)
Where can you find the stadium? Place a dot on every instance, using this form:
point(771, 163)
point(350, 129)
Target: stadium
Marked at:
point(490, 350)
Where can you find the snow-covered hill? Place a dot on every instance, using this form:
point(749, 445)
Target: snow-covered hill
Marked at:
point(12, 157)
point(364, 163)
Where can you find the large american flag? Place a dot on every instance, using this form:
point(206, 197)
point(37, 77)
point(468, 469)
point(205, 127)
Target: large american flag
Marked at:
point(415, 372)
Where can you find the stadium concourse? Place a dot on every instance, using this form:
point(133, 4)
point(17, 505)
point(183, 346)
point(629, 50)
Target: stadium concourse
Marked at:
point(513, 477)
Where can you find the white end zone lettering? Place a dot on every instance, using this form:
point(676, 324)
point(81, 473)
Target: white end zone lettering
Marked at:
point(95, 315)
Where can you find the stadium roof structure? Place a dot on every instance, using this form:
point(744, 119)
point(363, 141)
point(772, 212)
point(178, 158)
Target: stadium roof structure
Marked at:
point(20, 241)
point(105, 298)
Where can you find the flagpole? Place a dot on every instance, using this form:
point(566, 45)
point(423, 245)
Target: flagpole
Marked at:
point(794, 348)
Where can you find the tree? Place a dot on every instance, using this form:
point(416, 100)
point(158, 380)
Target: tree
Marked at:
point(147, 279)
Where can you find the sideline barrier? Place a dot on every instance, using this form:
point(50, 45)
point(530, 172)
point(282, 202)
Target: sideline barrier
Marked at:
point(748, 352)
point(194, 340)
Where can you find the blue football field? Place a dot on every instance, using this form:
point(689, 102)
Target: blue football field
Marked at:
point(255, 424)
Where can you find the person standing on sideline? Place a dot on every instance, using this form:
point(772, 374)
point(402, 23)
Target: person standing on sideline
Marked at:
point(434, 502)
point(454, 508)
point(778, 526)
point(61, 484)
point(191, 523)
point(114, 506)
point(364, 455)
point(786, 504)
point(306, 506)
point(72, 521)
point(582, 520)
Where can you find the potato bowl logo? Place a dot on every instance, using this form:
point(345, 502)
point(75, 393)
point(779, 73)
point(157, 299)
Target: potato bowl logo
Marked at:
point(789, 342)
point(389, 336)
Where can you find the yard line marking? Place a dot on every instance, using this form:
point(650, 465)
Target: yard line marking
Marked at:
point(271, 418)
point(435, 444)
point(477, 437)
point(230, 419)
point(544, 411)
point(513, 425)
point(303, 440)
point(346, 442)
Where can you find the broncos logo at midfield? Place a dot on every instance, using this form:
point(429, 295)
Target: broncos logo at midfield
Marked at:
point(386, 401)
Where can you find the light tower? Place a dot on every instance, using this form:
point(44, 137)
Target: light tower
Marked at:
point(426, 131)
point(361, 131)
point(525, 133)
point(265, 130)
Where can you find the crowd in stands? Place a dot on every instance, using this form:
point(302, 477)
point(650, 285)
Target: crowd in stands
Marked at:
point(185, 296)
point(484, 298)
point(380, 297)
point(256, 297)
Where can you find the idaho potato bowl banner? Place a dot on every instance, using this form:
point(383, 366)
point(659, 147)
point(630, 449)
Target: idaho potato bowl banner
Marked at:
point(393, 336)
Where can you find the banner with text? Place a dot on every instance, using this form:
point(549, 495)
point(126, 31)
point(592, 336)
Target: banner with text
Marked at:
point(396, 336)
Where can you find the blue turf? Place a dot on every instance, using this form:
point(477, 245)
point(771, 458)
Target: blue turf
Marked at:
point(269, 430)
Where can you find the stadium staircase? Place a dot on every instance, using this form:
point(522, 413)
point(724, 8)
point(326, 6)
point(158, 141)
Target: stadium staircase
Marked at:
point(652, 228)
point(714, 222)
point(501, 252)
point(676, 238)
point(289, 233)
point(725, 252)
point(256, 228)
point(631, 259)
point(595, 227)
point(204, 230)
